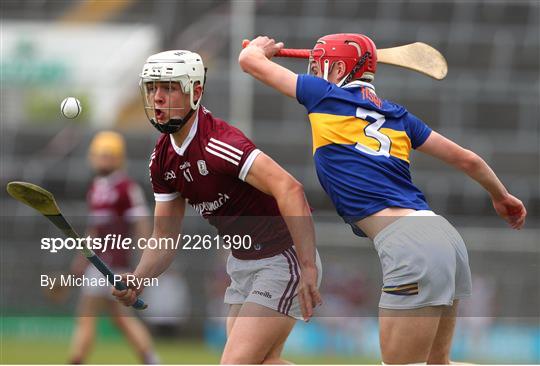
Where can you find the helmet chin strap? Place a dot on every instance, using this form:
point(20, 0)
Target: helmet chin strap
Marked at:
point(342, 81)
point(174, 124)
point(349, 77)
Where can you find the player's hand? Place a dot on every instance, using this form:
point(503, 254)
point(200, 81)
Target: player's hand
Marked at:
point(267, 45)
point(129, 296)
point(308, 293)
point(512, 210)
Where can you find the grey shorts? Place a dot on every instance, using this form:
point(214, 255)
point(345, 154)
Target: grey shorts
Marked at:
point(271, 282)
point(424, 262)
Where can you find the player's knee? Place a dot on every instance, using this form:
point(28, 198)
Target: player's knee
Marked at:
point(87, 323)
point(237, 360)
point(240, 358)
point(275, 361)
point(439, 357)
point(438, 361)
point(393, 353)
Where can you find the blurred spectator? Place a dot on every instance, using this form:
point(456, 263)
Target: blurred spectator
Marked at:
point(117, 207)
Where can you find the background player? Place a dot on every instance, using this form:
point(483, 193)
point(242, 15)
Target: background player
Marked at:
point(361, 150)
point(116, 206)
point(212, 166)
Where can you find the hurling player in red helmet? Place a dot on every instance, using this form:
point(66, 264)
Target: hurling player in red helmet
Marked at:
point(356, 51)
point(361, 150)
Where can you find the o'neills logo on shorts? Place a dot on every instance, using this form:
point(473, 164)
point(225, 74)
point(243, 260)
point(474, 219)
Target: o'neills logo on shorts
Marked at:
point(265, 294)
point(205, 208)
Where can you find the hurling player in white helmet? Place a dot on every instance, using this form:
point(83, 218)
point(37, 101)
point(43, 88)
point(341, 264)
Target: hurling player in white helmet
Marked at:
point(178, 71)
point(203, 161)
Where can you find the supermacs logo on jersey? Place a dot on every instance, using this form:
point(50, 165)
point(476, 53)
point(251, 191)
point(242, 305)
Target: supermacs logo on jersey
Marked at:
point(207, 208)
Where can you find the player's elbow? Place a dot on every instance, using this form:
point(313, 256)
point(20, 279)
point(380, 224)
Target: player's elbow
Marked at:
point(468, 161)
point(296, 187)
point(289, 188)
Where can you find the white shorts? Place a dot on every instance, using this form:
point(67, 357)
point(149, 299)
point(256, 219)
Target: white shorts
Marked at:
point(271, 282)
point(424, 262)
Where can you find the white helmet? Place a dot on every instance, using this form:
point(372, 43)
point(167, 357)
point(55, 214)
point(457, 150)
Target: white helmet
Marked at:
point(184, 67)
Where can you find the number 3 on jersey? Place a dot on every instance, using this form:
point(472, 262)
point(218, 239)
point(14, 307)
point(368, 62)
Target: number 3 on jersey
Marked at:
point(375, 120)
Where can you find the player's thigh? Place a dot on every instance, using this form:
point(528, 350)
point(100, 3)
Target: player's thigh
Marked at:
point(440, 350)
point(406, 336)
point(258, 332)
point(231, 316)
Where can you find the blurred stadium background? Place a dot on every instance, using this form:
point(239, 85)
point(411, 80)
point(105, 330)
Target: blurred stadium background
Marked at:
point(94, 50)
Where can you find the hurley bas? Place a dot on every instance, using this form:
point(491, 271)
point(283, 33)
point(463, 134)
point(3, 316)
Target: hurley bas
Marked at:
point(70, 280)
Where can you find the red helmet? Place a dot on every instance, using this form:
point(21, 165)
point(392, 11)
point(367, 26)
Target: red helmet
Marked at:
point(357, 51)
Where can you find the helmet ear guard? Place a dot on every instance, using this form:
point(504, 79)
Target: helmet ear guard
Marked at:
point(193, 104)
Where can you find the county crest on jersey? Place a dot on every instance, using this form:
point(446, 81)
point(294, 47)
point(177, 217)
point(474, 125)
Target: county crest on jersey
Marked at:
point(209, 171)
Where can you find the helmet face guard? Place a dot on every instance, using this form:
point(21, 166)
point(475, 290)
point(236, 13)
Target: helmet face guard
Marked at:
point(164, 103)
point(357, 51)
point(167, 78)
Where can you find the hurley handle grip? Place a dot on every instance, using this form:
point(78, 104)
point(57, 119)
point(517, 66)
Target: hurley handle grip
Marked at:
point(139, 304)
point(121, 286)
point(286, 52)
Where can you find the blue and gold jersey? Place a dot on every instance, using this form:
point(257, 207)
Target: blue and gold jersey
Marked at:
point(361, 147)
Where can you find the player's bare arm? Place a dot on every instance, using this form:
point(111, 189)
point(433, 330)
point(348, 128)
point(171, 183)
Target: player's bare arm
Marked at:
point(267, 176)
point(255, 60)
point(142, 227)
point(507, 206)
point(168, 218)
point(167, 223)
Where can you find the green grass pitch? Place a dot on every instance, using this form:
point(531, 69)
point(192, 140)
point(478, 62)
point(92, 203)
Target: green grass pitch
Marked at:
point(19, 351)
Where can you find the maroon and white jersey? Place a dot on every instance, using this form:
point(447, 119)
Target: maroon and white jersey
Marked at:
point(114, 202)
point(209, 170)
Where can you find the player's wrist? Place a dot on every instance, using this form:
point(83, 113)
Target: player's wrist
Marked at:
point(141, 273)
point(308, 266)
point(500, 196)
